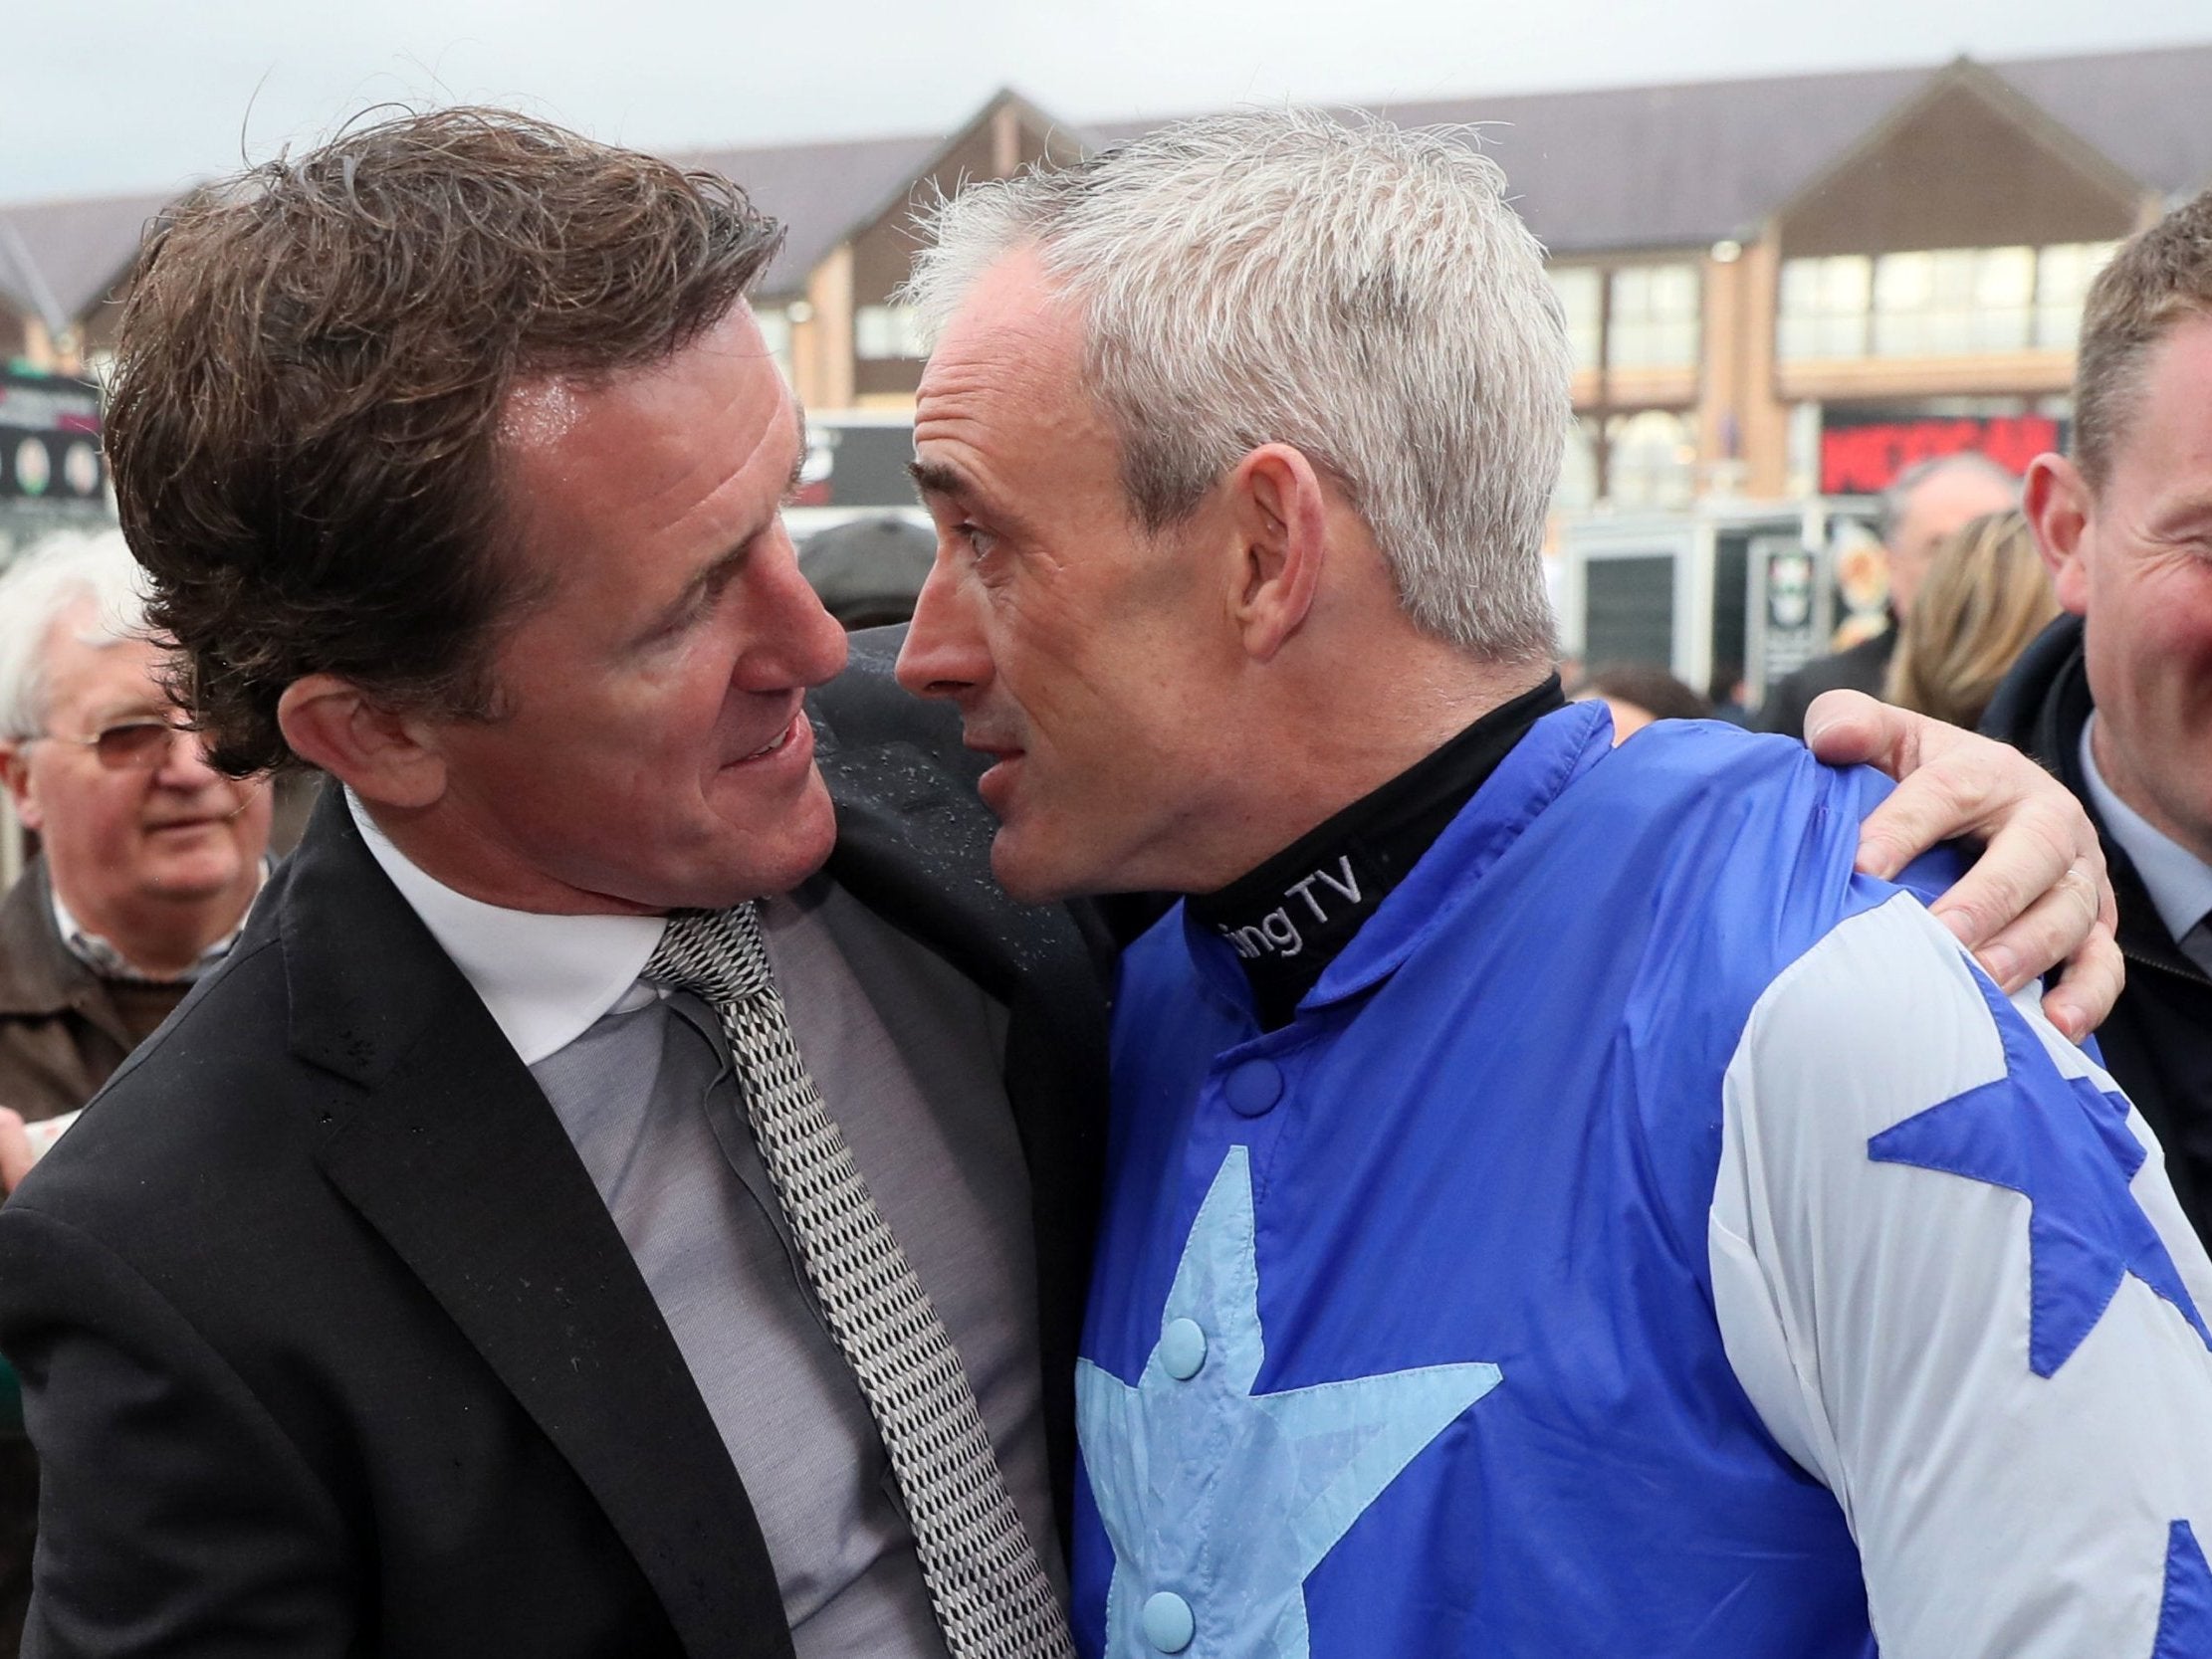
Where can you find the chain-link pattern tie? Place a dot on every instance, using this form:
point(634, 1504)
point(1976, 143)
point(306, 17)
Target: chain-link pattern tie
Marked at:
point(989, 1591)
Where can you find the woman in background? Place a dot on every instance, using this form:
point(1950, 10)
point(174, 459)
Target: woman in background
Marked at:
point(1985, 596)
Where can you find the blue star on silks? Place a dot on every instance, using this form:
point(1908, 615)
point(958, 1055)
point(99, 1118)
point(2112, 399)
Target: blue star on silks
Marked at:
point(2025, 1131)
point(1217, 1501)
point(2186, 1610)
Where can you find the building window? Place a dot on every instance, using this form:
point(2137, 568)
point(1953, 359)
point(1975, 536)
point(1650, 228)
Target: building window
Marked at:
point(1581, 291)
point(1936, 303)
point(881, 332)
point(1824, 306)
point(1654, 318)
point(1953, 302)
point(2063, 276)
point(1650, 460)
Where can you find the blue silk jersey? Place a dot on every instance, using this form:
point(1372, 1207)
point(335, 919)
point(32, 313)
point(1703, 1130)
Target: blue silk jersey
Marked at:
point(1405, 1336)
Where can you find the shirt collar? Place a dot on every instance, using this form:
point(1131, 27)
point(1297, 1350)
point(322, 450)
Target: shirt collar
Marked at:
point(104, 958)
point(2179, 882)
point(545, 979)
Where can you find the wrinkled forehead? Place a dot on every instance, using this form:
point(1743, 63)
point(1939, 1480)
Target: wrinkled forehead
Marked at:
point(1003, 418)
point(1013, 334)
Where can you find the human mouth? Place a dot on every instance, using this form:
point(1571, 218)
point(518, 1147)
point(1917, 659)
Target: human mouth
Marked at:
point(797, 739)
point(996, 784)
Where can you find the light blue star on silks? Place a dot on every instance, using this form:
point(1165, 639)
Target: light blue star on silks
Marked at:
point(1218, 1501)
point(2085, 1229)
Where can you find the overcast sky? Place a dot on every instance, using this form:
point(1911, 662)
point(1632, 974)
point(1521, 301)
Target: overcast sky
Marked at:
point(124, 95)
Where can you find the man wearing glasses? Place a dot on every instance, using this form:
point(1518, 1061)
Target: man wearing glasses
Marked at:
point(148, 863)
point(148, 860)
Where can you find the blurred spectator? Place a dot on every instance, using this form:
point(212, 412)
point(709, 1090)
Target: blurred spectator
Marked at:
point(867, 571)
point(1730, 694)
point(1927, 502)
point(148, 863)
point(1985, 596)
point(1639, 694)
point(147, 858)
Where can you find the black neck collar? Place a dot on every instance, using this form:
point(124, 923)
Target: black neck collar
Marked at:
point(1288, 919)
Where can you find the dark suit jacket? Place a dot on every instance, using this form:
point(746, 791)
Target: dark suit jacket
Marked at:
point(328, 1343)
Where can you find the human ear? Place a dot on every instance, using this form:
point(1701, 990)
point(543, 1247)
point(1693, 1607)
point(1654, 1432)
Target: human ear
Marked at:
point(1280, 513)
point(2056, 499)
point(385, 758)
point(15, 773)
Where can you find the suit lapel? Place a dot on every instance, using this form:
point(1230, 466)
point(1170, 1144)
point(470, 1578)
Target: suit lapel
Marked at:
point(451, 1151)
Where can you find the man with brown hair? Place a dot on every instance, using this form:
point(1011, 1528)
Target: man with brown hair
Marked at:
point(508, 1251)
point(429, 1286)
point(2117, 698)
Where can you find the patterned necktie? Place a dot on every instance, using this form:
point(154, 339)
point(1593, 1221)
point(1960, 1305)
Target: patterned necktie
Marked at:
point(989, 1591)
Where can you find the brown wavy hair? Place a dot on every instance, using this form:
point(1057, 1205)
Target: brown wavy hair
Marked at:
point(311, 373)
point(1985, 596)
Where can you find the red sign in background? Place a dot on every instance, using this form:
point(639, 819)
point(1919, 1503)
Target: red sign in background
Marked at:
point(1861, 460)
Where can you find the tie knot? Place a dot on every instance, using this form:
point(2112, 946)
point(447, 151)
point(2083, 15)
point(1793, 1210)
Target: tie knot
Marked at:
point(716, 954)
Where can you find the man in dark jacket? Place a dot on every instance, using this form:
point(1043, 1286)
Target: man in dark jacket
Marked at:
point(457, 1272)
point(150, 857)
point(2117, 698)
point(149, 861)
point(2159, 1038)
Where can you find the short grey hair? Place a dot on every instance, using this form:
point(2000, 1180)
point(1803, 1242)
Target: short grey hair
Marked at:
point(1361, 293)
point(68, 571)
point(1897, 500)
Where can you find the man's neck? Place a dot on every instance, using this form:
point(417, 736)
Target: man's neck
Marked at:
point(2118, 775)
point(161, 938)
point(445, 846)
point(1289, 917)
point(1353, 736)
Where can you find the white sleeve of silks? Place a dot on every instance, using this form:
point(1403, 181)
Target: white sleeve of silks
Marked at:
point(1885, 1314)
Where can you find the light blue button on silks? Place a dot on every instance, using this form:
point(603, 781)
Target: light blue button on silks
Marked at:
point(1182, 1348)
point(1253, 1088)
point(1168, 1623)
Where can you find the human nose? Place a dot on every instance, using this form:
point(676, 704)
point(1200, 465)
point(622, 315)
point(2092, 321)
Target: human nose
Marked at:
point(184, 764)
point(814, 646)
point(943, 654)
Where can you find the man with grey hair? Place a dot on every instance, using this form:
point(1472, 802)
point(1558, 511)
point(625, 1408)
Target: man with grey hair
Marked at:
point(148, 858)
point(1925, 502)
point(1556, 1203)
point(148, 863)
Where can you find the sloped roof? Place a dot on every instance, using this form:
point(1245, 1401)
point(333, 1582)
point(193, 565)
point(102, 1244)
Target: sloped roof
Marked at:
point(2144, 109)
point(819, 191)
point(1623, 167)
point(1618, 168)
point(824, 192)
point(79, 248)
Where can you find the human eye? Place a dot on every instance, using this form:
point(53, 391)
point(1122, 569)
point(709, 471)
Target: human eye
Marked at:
point(980, 542)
